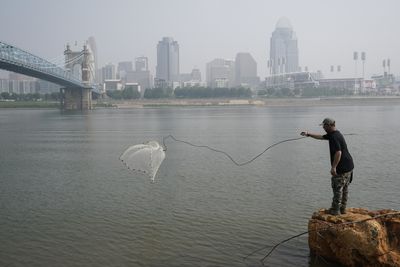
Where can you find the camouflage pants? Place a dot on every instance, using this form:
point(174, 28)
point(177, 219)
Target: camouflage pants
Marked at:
point(340, 187)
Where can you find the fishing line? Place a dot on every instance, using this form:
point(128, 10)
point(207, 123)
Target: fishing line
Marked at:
point(226, 154)
point(146, 158)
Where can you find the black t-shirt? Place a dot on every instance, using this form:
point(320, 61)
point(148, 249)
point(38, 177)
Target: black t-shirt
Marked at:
point(337, 143)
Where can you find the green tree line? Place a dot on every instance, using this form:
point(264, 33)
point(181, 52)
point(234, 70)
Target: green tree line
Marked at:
point(184, 92)
point(30, 97)
point(128, 93)
point(206, 92)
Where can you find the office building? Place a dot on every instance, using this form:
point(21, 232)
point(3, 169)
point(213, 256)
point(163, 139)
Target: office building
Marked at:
point(123, 68)
point(141, 74)
point(284, 55)
point(246, 71)
point(108, 72)
point(143, 78)
point(141, 64)
point(220, 73)
point(91, 45)
point(167, 60)
point(195, 75)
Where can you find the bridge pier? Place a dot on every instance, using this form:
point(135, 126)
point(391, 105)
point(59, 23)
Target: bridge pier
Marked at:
point(76, 98)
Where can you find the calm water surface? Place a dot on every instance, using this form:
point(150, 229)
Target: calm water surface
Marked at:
point(66, 199)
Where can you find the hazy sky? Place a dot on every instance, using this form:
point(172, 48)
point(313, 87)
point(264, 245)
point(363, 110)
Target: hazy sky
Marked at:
point(328, 31)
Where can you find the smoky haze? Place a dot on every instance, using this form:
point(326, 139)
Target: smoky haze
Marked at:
point(328, 32)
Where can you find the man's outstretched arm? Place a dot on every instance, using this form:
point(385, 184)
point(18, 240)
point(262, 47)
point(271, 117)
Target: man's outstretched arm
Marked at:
point(315, 136)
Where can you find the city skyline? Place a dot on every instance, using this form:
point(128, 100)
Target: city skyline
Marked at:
point(328, 33)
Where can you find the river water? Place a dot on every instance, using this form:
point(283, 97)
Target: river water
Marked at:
point(66, 199)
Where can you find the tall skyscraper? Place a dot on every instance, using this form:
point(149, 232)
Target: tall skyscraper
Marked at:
point(91, 45)
point(246, 70)
point(167, 60)
point(284, 54)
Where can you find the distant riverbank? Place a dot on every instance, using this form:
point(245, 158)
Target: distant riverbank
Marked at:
point(271, 102)
point(281, 102)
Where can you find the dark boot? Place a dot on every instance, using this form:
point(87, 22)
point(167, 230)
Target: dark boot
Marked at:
point(334, 209)
point(343, 209)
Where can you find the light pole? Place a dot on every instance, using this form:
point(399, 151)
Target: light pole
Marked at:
point(269, 64)
point(384, 67)
point(355, 57)
point(363, 57)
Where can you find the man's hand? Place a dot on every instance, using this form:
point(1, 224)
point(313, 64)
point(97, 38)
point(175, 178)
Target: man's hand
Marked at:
point(304, 133)
point(333, 171)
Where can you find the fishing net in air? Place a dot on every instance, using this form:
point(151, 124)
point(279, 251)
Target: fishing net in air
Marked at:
point(144, 158)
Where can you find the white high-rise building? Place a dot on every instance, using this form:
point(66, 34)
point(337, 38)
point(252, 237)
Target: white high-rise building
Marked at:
point(141, 64)
point(167, 60)
point(284, 54)
point(221, 73)
point(91, 45)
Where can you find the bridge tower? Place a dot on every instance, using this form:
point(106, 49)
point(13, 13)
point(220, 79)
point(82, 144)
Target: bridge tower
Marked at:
point(78, 64)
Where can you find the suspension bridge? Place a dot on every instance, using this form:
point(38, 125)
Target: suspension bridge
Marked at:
point(75, 75)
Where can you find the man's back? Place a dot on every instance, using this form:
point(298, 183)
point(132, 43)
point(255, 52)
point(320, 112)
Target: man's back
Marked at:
point(338, 143)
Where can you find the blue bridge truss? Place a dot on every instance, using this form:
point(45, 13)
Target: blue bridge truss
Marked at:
point(17, 60)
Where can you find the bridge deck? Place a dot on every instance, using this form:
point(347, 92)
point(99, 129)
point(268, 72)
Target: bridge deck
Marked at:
point(17, 60)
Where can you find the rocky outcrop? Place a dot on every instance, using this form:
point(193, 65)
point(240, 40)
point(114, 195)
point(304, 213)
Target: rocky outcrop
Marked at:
point(357, 238)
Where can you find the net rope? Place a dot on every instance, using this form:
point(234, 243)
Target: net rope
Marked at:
point(226, 154)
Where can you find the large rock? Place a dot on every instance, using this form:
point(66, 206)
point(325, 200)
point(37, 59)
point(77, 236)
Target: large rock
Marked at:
point(357, 238)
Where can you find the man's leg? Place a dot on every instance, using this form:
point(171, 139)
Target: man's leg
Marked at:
point(347, 177)
point(337, 188)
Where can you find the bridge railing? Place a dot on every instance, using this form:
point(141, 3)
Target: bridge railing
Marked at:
point(17, 56)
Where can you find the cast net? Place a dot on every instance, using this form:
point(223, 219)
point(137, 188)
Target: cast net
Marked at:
point(144, 158)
